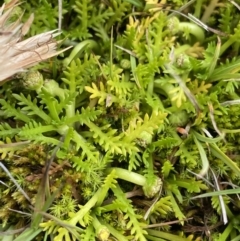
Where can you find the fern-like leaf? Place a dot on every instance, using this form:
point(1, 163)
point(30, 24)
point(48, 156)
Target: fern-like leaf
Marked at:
point(31, 107)
point(12, 111)
point(7, 131)
point(134, 224)
point(163, 207)
point(148, 124)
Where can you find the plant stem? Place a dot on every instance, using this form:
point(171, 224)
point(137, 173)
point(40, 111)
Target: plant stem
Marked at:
point(193, 29)
point(126, 175)
point(113, 231)
point(166, 88)
point(85, 209)
point(150, 189)
point(226, 232)
point(102, 231)
point(219, 154)
point(198, 7)
point(209, 10)
point(164, 235)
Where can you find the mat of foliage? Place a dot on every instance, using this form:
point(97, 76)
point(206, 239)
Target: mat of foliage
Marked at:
point(116, 138)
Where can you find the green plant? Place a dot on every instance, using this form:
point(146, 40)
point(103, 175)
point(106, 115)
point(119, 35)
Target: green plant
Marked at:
point(143, 98)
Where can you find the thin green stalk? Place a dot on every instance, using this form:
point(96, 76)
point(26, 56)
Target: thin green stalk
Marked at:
point(150, 189)
point(164, 235)
point(99, 195)
point(193, 29)
point(236, 238)
point(226, 233)
point(197, 8)
point(52, 111)
point(150, 86)
point(230, 41)
point(78, 50)
point(154, 238)
point(113, 231)
point(70, 110)
point(102, 231)
point(166, 88)
point(205, 162)
point(219, 154)
point(129, 176)
point(85, 209)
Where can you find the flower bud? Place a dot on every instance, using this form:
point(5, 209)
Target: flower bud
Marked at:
point(33, 80)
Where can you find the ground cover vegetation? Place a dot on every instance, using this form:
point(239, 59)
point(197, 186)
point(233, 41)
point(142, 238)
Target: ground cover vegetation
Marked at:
point(131, 134)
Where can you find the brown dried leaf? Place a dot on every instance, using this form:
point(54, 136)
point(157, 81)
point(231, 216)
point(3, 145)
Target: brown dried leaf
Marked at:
point(17, 54)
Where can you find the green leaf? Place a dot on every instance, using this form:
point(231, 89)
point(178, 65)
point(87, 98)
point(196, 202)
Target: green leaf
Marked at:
point(205, 162)
point(31, 107)
point(219, 154)
point(176, 208)
point(167, 168)
point(28, 235)
point(218, 193)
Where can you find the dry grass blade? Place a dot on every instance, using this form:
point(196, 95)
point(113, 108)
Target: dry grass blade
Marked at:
point(17, 54)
